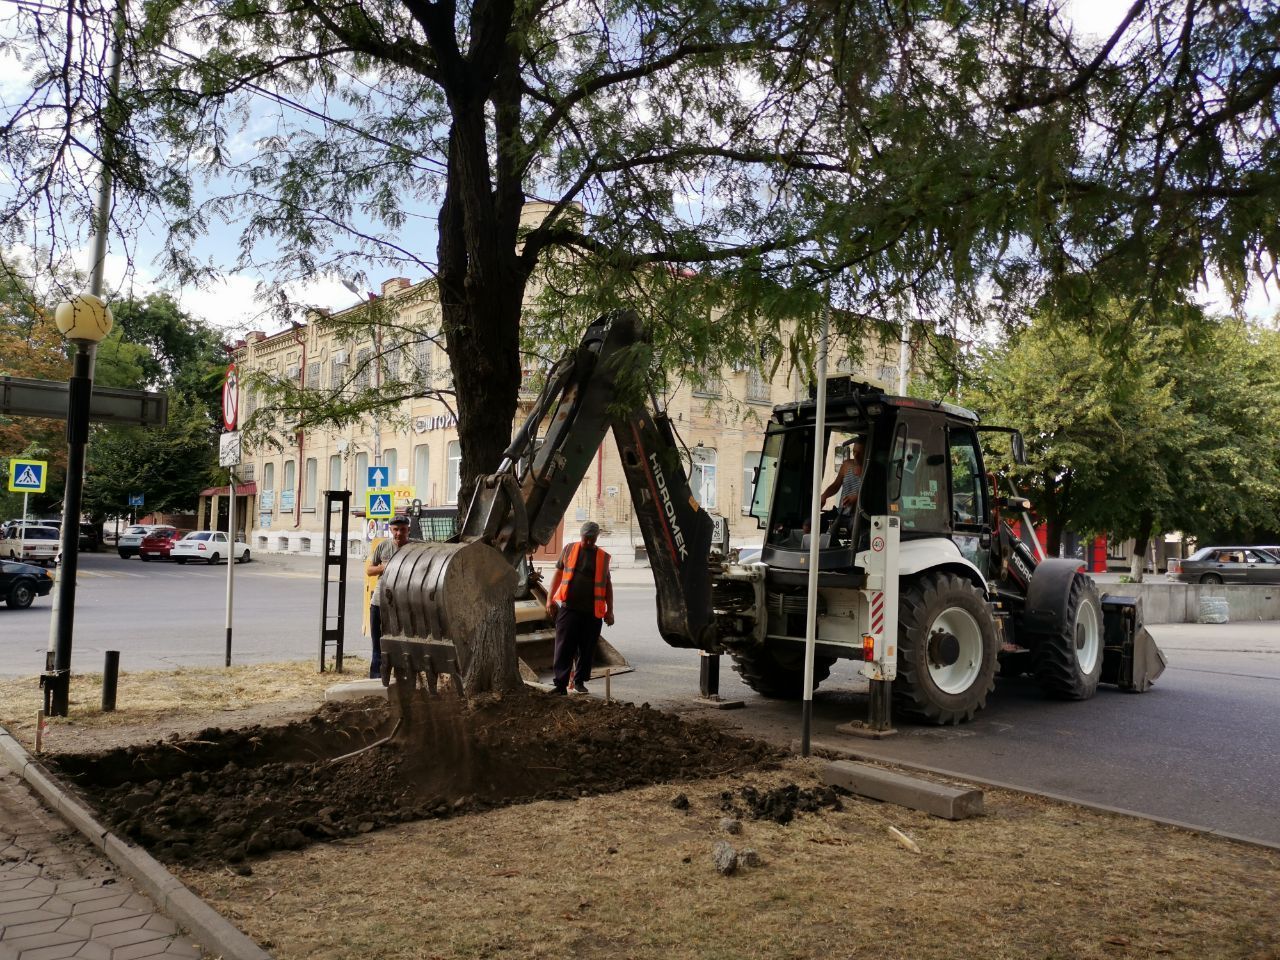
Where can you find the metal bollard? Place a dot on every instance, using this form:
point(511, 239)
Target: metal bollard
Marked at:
point(110, 673)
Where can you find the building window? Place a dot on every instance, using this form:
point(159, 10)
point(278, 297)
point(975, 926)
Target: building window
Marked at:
point(364, 368)
point(422, 471)
point(335, 473)
point(269, 485)
point(391, 460)
point(290, 477)
point(703, 476)
point(391, 360)
point(453, 479)
point(337, 373)
point(362, 479)
point(750, 463)
point(313, 375)
point(757, 385)
point(309, 484)
point(707, 382)
point(422, 360)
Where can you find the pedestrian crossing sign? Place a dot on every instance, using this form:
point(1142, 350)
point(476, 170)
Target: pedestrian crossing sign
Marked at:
point(27, 476)
point(379, 505)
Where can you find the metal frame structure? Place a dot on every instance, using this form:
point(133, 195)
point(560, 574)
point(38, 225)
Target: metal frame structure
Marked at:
point(334, 556)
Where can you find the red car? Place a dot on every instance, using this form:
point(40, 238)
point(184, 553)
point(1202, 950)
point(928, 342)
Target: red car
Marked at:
point(157, 544)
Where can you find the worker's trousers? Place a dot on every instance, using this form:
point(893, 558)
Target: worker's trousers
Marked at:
point(576, 636)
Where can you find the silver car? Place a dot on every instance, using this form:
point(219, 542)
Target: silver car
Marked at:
point(130, 542)
point(1227, 565)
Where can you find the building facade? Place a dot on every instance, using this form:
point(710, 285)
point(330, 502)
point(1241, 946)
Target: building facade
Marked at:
point(415, 443)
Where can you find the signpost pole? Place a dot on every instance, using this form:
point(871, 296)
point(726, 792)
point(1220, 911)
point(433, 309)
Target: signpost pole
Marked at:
point(231, 560)
point(22, 535)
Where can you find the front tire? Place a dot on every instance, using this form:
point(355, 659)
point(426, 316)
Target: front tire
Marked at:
point(1068, 663)
point(781, 678)
point(1211, 578)
point(21, 595)
point(946, 649)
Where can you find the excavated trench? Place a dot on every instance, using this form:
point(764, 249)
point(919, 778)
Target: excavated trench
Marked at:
point(227, 795)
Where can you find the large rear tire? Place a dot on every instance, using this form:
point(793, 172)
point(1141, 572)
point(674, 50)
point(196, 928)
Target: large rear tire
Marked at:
point(946, 649)
point(1211, 578)
point(1068, 663)
point(781, 678)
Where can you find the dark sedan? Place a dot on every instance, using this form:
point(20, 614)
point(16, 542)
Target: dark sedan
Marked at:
point(1227, 565)
point(21, 583)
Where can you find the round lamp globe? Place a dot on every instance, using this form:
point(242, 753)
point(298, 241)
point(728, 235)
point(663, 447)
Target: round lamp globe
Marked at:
point(84, 317)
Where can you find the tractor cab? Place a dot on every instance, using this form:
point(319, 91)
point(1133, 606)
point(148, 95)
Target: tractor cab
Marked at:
point(918, 460)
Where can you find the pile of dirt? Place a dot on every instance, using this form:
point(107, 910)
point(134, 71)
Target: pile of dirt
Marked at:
point(226, 795)
point(780, 804)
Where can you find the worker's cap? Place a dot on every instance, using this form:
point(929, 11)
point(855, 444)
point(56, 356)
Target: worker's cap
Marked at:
point(398, 522)
point(590, 529)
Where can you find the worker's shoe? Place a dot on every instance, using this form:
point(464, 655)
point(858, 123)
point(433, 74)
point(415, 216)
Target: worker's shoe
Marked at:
point(579, 688)
point(559, 692)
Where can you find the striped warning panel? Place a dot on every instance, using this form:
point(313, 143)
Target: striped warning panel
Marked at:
point(877, 612)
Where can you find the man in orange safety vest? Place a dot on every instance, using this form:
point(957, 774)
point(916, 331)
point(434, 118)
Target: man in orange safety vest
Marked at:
point(583, 592)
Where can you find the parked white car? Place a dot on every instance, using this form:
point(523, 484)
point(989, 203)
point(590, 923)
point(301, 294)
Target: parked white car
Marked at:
point(32, 544)
point(207, 546)
point(130, 542)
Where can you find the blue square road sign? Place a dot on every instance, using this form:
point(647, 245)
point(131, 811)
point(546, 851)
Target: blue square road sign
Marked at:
point(379, 506)
point(27, 476)
point(379, 478)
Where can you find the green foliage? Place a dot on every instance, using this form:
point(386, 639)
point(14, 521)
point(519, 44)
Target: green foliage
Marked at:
point(169, 464)
point(1178, 432)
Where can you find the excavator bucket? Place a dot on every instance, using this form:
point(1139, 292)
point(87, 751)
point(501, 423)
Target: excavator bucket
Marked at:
point(1131, 660)
point(442, 602)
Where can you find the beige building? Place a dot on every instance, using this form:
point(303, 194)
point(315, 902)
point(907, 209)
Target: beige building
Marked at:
point(281, 495)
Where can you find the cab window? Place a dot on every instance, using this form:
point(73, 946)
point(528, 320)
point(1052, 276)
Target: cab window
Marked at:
point(967, 487)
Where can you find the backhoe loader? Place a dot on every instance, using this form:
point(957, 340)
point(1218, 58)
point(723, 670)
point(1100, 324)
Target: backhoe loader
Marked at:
point(922, 577)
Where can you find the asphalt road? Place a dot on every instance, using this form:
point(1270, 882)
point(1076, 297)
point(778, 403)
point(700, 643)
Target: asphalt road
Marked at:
point(1202, 748)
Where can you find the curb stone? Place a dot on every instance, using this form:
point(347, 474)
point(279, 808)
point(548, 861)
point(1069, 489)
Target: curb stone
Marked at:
point(214, 932)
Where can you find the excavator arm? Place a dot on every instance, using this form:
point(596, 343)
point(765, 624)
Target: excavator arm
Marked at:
point(436, 595)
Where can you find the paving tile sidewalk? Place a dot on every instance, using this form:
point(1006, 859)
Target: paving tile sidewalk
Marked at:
point(59, 898)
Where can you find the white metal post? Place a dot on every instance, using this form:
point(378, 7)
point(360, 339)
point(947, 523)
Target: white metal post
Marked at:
point(22, 530)
point(231, 559)
point(904, 358)
point(815, 530)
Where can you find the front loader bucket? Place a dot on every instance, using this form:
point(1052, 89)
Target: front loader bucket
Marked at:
point(536, 643)
point(1131, 660)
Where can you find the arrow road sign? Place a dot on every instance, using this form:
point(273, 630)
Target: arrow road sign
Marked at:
point(378, 506)
point(378, 477)
point(27, 476)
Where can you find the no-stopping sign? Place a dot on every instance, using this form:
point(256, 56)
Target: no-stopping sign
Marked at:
point(231, 398)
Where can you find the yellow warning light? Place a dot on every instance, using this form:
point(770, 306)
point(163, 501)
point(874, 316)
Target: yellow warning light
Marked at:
point(868, 647)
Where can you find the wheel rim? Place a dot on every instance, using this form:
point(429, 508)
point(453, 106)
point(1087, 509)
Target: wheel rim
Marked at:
point(955, 650)
point(1088, 636)
point(22, 594)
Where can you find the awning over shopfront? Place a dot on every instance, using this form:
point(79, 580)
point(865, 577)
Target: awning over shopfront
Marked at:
point(243, 490)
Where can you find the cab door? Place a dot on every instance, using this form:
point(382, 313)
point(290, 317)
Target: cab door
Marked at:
point(970, 517)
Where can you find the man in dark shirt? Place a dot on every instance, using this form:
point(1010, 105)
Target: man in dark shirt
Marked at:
point(583, 591)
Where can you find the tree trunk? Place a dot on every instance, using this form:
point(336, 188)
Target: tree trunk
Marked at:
point(1137, 559)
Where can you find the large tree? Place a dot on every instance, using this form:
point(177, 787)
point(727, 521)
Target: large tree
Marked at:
point(703, 159)
point(1174, 433)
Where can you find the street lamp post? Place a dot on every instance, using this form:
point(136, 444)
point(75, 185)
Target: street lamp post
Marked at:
point(85, 320)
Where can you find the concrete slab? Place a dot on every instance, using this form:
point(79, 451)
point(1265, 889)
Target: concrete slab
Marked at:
point(938, 799)
point(356, 690)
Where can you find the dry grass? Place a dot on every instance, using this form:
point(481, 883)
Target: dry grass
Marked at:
point(629, 876)
point(156, 697)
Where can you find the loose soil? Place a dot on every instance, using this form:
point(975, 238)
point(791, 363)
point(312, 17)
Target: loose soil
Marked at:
point(546, 827)
point(227, 795)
